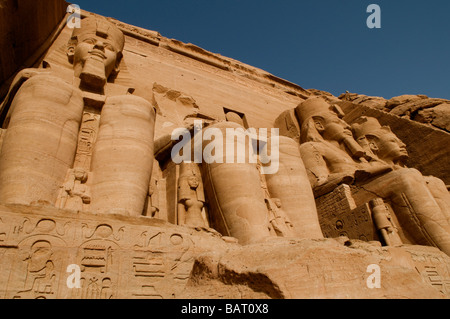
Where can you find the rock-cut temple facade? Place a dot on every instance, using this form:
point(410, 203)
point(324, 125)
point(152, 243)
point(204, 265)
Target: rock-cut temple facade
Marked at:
point(140, 167)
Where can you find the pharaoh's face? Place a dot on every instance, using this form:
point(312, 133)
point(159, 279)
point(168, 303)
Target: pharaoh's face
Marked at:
point(388, 146)
point(193, 182)
point(99, 48)
point(331, 127)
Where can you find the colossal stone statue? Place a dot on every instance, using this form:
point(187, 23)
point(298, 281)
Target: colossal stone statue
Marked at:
point(332, 157)
point(236, 200)
point(252, 206)
point(94, 204)
point(40, 140)
point(290, 185)
point(382, 142)
point(56, 123)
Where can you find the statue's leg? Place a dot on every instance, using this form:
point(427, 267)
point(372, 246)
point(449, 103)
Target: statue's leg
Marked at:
point(122, 158)
point(415, 207)
point(234, 193)
point(41, 140)
point(291, 185)
point(440, 193)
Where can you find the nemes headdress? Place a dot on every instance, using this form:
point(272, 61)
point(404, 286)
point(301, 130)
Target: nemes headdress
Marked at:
point(98, 26)
point(311, 107)
point(306, 110)
point(364, 126)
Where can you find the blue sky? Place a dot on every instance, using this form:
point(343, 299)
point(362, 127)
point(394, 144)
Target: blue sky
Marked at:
point(321, 44)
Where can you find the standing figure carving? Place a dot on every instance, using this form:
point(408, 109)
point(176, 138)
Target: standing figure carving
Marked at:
point(191, 197)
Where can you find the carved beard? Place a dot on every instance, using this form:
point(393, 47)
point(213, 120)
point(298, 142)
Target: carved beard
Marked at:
point(93, 73)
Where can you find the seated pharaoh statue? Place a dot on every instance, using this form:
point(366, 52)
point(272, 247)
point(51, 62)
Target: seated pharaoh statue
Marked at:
point(71, 126)
point(332, 157)
point(382, 142)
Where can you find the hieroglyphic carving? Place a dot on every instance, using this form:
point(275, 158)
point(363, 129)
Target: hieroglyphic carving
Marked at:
point(436, 280)
point(86, 140)
point(35, 273)
point(339, 216)
point(100, 263)
point(164, 256)
point(431, 265)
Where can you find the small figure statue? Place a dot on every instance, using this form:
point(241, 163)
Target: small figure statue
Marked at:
point(383, 222)
point(191, 197)
point(280, 224)
point(152, 205)
point(75, 192)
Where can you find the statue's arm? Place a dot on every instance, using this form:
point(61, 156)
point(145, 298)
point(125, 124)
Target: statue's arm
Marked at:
point(321, 179)
point(315, 164)
point(21, 77)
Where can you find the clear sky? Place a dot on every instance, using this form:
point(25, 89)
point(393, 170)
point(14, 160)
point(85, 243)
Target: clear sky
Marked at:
point(321, 44)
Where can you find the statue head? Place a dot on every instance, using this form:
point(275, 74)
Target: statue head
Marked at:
point(80, 174)
point(95, 50)
point(319, 121)
point(380, 139)
point(193, 181)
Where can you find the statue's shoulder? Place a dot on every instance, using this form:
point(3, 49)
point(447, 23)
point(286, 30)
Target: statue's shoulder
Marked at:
point(313, 146)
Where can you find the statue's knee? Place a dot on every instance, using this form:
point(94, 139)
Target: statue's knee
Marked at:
point(130, 106)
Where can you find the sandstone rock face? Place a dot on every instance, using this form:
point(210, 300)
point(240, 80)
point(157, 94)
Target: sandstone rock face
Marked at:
point(420, 108)
point(438, 116)
point(321, 271)
point(143, 258)
point(136, 166)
